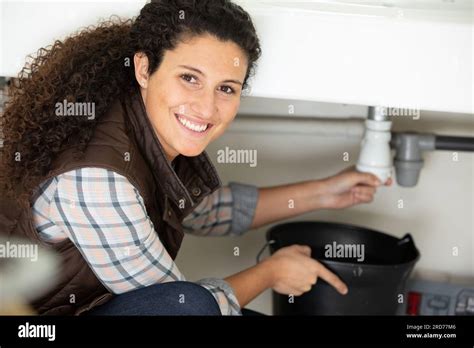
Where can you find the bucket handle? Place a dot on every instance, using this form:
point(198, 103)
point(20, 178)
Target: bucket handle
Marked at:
point(263, 249)
point(407, 238)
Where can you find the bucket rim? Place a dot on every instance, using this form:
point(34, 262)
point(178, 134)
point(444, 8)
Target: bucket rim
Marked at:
point(351, 226)
point(335, 224)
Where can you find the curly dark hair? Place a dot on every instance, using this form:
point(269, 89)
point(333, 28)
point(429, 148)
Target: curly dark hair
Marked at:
point(96, 65)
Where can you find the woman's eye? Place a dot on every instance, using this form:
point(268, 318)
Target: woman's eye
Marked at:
point(189, 78)
point(227, 90)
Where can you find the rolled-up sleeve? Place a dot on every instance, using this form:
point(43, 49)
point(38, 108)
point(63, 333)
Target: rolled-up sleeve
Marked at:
point(224, 295)
point(244, 203)
point(228, 211)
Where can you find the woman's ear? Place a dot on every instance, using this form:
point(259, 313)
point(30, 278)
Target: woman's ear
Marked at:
point(140, 61)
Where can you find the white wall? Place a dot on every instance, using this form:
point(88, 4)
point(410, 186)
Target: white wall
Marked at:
point(438, 212)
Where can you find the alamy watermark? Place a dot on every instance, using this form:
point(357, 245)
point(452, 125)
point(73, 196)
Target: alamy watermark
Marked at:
point(229, 155)
point(401, 112)
point(346, 251)
point(37, 331)
point(66, 108)
point(17, 250)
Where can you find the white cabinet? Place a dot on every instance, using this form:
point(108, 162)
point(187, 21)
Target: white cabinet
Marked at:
point(397, 53)
point(410, 54)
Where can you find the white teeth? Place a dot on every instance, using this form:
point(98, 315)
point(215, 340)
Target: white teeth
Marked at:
point(192, 126)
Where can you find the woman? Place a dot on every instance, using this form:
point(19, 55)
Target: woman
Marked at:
point(104, 162)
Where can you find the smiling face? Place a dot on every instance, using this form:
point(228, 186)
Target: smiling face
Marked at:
point(194, 95)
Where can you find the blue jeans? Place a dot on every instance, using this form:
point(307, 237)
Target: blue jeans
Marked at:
point(172, 298)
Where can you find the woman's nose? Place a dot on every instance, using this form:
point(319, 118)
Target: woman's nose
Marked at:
point(205, 104)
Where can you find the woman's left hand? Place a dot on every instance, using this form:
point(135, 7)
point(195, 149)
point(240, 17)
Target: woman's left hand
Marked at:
point(348, 188)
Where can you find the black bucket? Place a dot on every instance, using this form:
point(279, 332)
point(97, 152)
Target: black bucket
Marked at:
point(375, 281)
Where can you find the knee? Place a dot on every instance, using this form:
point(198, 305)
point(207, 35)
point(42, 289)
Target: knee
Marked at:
point(172, 298)
point(187, 298)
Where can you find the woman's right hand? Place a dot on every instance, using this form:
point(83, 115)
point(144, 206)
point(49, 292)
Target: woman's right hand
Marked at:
point(294, 272)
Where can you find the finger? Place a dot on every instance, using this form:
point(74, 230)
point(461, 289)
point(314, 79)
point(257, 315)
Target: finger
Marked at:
point(294, 291)
point(388, 182)
point(361, 198)
point(364, 190)
point(365, 178)
point(332, 279)
point(307, 284)
point(313, 279)
point(304, 249)
point(290, 290)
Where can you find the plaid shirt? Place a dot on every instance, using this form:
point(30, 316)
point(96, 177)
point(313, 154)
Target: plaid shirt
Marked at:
point(103, 214)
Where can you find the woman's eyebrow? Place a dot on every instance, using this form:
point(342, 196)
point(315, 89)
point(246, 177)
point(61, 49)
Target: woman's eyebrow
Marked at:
point(200, 72)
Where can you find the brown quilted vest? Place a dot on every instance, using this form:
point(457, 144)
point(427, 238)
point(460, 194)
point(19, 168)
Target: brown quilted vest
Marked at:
point(124, 142)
